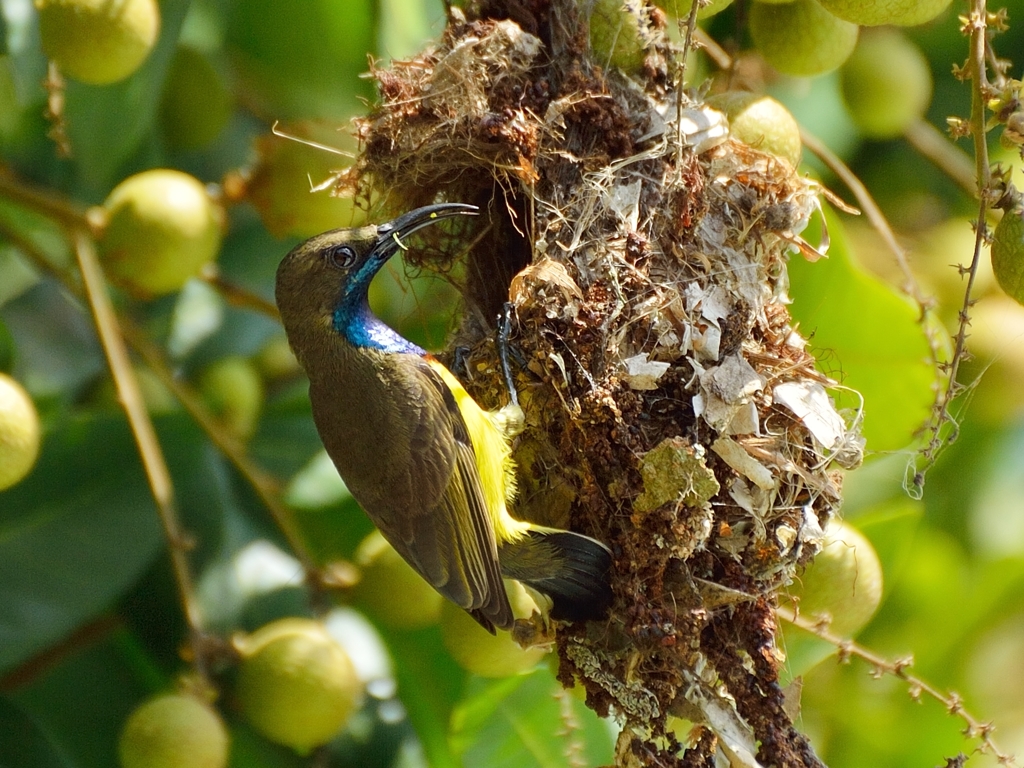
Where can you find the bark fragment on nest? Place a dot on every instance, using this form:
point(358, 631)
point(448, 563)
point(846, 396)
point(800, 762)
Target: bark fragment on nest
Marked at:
point(673, 411)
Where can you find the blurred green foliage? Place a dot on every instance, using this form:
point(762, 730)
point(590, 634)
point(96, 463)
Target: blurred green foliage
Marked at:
point(89, 620)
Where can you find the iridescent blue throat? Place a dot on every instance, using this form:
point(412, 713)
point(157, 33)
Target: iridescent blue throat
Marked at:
point(361, 328)
point(354, 320)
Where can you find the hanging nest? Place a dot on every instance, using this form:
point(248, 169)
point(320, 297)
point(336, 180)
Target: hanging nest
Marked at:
point(673, 411)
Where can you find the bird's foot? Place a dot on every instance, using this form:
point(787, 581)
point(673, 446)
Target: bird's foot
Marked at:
point(534, 631)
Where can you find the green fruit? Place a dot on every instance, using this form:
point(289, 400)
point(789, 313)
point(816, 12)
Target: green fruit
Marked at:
point(842, 588)
point(174, 731)
point(1008, 253)
point(801, 38)
point(761, 122)
point(233, 389)
point(196, 104)
point(843, 581)
point(296, 685)
point(98, 41)
point(390, 591)
point(617, 35)
point(279, 187)
point(19, 432)
point(477, 650)
point(871, 13)
point(162, 228)
point(887, 83)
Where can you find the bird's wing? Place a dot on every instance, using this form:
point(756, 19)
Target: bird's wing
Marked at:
point(449, 536)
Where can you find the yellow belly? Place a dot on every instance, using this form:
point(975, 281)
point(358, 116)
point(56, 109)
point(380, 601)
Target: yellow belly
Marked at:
point(491, 434)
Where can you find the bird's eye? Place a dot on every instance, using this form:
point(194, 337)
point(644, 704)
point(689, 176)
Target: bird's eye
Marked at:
point(341, 256)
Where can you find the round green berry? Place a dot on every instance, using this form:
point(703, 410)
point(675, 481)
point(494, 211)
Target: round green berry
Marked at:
point(801, 38)
point(761, 122)
point(296, 684)
point(477, 650)
point(98, 41)
point(19, 432)
point(233, 389)
point(1008, 253)
point(162, 228)
point(871, 13)
point(174, 731)
point(196, 104)
point(887, 83)
point(390, 591)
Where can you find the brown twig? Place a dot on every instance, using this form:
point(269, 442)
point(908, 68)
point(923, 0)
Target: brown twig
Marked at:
point(153, 462)
point(237, 296)
point(944, 154)
point(36, 666)
point(691, 25)
point(715, 52)
point(901, 668)
point(57, 208)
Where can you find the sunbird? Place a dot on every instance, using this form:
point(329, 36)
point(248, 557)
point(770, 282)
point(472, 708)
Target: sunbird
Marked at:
point(431, 468)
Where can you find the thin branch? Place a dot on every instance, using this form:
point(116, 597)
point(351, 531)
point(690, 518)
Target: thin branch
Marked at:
point(53, 656)
point(153, 462)
point(52, 206)
point(715, 52)
point(947, 156)
point(237, 296)
point(901, 668)
point(691, 25)
point(977, 26)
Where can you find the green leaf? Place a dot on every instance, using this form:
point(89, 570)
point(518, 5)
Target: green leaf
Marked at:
point(81, 702)
point(24, 742)
point(429, 685)
point(410, 26)
point(6, 348)
point(528, 721)
point(78, 532)
point(874, 337)
point(302, 59)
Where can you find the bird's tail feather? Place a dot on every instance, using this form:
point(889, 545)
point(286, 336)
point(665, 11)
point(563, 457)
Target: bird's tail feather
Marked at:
point(570, 568)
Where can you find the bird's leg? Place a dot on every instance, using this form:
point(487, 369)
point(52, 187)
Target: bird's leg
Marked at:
point(460, 360)
point(504, 349)
point(511, 420)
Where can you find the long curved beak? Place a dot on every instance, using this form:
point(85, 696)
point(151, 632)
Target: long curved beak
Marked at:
point(391, 236)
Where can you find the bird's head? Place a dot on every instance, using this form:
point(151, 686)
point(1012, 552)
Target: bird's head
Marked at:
point(331, 272)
